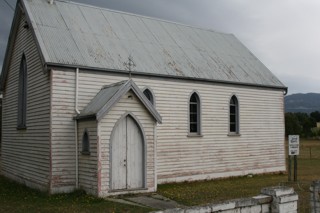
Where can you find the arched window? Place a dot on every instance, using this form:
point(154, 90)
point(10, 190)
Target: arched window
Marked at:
point(22, 94)
point(85, 143)
point(234, 115)
point(194, 113)
point(149, 95)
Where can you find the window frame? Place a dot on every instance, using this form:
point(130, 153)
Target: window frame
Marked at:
point(151, 93)
point(198, 122)
point(236, 115)
point(85, 142)
point(22, 94)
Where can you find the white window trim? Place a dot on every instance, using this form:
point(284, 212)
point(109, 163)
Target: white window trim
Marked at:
point(152, 94)
point(199, 107)
point(237, 118)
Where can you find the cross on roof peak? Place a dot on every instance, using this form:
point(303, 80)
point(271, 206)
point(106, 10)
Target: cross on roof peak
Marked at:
point(130, 63)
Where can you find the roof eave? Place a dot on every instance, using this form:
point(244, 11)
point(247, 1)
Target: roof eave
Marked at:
point(146, 102)
point(129, 85)
point(44, 56)
point(51, 65)
point(21, 8)
point(85, 117)
point(13, 32)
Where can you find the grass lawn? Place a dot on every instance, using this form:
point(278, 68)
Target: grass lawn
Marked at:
point(202, 192)
point(18, 198)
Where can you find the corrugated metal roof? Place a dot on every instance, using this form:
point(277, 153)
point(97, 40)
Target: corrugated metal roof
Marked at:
point(86, 36)
point(103, 96)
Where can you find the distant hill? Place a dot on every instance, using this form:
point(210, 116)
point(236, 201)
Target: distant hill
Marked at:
point(307, 103)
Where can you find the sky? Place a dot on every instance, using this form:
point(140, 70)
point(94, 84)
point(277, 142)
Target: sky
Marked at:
point(284, 35)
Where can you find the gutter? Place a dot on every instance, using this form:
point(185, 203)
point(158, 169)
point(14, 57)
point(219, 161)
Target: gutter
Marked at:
point(137, 73)
point(155, 156)
point(77, 86)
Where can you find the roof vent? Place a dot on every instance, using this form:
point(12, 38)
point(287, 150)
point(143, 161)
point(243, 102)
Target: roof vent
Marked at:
point(50, 1)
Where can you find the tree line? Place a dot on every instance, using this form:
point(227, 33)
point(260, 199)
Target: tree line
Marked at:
point(303, 124)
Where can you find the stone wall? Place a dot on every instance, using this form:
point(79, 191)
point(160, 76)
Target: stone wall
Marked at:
point(315, 197)
point(274, 199)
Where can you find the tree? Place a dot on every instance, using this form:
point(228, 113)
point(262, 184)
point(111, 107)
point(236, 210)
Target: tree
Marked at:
point(301, 123)
point(293, 126)
point(306, 122)
point(315, 115)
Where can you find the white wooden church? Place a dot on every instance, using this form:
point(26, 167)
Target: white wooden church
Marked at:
point(112, 102)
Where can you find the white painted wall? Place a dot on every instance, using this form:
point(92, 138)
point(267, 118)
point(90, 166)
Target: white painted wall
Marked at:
point(259, 149)
point(63, 148)
point(25, 153)
point(88, 164)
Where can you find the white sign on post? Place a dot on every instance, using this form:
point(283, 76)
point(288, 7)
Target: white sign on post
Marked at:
point(294, 144)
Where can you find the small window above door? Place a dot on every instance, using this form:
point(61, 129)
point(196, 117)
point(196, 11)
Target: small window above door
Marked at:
point(147, 92)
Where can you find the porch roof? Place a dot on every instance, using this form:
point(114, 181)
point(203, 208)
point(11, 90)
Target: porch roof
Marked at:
point(109, 95)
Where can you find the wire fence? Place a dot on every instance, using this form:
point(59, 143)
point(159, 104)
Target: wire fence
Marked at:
point(309, 149)
point(308, 171)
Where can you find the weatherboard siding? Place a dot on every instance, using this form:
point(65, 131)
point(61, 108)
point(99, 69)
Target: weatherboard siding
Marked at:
point(259, 149)
point(25, 153)
point(106, 125)
point(88, 164)
point(63, 135)
point(63, 149)
point(215, 154)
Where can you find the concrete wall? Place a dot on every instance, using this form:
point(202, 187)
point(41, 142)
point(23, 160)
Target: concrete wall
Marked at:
point(315, 197)
point(272, 200)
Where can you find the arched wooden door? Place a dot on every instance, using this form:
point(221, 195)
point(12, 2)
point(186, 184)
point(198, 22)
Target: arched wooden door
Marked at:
point(127, 157)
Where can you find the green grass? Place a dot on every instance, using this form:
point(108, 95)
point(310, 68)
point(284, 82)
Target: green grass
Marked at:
point(18, 198)
point(202, 192)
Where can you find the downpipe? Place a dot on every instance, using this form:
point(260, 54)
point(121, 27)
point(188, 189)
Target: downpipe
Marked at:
point(76, 128)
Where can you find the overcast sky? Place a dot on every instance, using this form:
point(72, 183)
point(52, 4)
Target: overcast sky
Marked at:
point(284, 35)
